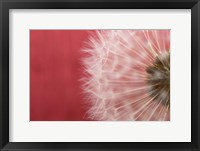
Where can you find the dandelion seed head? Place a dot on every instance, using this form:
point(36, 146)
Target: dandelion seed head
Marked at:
point(127, 75)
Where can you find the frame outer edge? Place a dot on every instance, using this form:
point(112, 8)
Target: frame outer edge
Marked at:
point(4, 75)
point(195, 95)
point(1, 64)
point(198, 101)
point(4, 78)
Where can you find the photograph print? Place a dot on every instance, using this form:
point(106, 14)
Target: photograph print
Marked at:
point(100, 75)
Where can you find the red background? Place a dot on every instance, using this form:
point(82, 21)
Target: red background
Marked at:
point(55, 70)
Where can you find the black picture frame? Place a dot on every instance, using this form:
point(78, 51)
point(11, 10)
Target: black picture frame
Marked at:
point(5, 5)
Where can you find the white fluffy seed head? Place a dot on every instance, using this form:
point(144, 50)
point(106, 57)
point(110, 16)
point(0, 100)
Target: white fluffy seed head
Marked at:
point(115, 67)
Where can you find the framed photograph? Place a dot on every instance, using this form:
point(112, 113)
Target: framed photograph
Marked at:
point(99, 75)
